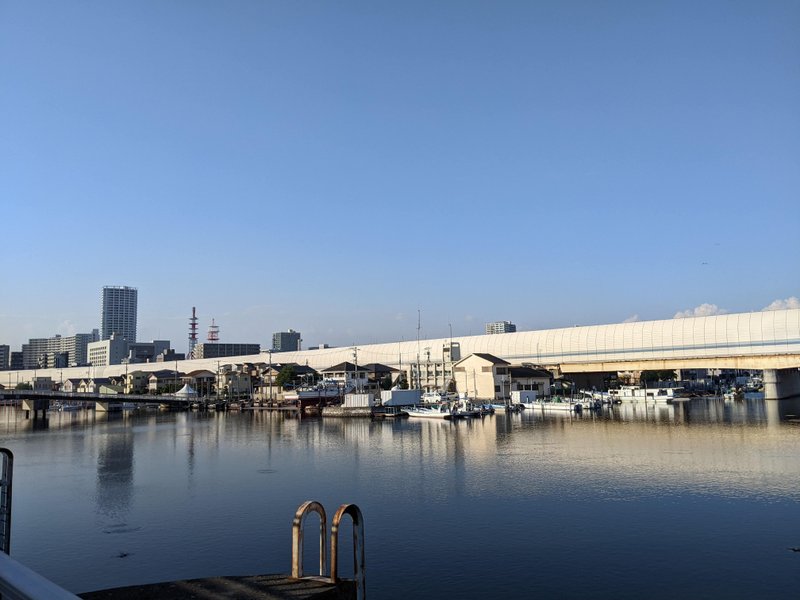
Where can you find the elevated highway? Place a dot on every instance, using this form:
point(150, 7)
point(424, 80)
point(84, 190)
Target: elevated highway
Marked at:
point(767, 340)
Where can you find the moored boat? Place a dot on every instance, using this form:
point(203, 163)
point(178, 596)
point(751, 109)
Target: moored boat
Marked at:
point(441, 411)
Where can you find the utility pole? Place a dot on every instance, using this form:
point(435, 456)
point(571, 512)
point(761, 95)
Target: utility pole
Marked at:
point(428, 368)
point(355, 372)
point(269, 374)
point(418, 377)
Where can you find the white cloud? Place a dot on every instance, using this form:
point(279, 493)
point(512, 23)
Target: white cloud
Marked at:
point(67, 328)
point(631, 319)
point(791, 302)
point(704, 310)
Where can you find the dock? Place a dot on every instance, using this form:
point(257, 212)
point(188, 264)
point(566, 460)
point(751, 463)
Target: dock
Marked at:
point(256, 587)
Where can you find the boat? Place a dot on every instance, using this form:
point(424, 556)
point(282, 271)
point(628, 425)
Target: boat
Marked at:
point(734, 394)
point(559, 404)
point(631, 393)
point(65, 407)
point(325, 389)
point(506, 408)
point(441, 411)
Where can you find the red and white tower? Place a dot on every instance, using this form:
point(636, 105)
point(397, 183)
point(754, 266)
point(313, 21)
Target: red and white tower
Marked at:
point(213, 332)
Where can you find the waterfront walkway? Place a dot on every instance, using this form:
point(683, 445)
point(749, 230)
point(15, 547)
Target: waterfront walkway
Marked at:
point(256, 587)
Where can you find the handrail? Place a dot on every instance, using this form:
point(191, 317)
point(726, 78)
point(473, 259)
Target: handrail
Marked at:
point(6, 479)
point(297, 537)
point(358, 547)
point(18, 582)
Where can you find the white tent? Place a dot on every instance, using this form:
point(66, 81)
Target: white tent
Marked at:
point(186, 392)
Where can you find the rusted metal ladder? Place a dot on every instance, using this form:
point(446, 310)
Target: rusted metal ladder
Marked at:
point(358, 543)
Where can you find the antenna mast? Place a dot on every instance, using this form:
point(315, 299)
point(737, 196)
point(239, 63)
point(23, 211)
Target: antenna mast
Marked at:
point(192, 332)
point(213, 332)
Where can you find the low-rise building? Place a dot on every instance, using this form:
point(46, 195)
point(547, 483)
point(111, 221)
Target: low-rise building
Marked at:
point(164, 381)
point(348, 375)
point(117, 350)
point(216, 350)
point(483, 376)
point(204, 382)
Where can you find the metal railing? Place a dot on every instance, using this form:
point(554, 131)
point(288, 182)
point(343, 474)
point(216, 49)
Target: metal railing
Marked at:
point(6, 479)
point(358, 547)
point(18, 582)
point(358, 544)
point(297, 537)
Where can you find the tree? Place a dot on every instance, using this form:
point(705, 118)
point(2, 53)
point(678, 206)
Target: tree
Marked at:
point(386, 382)
point(657, 375)
point(23, 386)
point(402, 384)
point(285, 376)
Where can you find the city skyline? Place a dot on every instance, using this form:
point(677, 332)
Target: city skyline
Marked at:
point(336, 169)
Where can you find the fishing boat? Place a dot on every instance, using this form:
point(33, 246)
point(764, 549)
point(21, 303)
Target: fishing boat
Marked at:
point(442, 411)
point(559, 404)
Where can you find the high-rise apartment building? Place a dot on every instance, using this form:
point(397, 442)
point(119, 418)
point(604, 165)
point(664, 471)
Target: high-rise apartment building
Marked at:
point(58, 351)
point(119, 312)
point(500, 327)
point(286, 341)
point(5, 356)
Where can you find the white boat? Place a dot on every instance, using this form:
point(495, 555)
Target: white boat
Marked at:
point(325, 389)
point(423, 412)
point(558, 405)
point(631, 393)
point(507, 408)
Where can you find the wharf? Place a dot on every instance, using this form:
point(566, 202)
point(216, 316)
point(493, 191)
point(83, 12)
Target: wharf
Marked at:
point(254, 587)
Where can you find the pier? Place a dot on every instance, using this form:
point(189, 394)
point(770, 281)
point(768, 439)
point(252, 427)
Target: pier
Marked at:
point(18, 582)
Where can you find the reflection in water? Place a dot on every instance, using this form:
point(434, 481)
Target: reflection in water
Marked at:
point(114, 472)
point(198, 494)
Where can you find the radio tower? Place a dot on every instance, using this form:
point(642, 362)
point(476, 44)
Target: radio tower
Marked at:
point(192, 332)
point(213, 332)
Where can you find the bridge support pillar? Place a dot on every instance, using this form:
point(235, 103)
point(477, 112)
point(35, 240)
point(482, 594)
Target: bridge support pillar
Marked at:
point(107, 406)
point(35, 405)
point(781, 383)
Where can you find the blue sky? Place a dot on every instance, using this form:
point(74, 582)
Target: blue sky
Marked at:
point(334, 167)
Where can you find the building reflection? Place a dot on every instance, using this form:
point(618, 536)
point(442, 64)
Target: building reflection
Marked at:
point(115, 461)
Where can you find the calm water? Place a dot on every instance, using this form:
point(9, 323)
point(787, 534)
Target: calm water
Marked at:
point(698, 500)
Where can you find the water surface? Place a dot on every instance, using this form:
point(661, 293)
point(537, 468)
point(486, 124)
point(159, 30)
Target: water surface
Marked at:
point(697, 500)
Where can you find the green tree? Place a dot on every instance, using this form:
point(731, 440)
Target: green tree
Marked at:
point(23, 386)
point(386, 382)
point(657, 375)
point(285, 376)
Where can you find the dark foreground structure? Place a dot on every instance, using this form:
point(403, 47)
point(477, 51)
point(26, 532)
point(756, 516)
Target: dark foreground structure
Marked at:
point(18, 582)
point(258, 587)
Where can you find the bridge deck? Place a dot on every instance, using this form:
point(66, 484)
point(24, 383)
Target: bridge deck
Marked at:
point(255, 587)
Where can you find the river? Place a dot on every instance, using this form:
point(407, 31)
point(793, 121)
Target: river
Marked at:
point(698, 499)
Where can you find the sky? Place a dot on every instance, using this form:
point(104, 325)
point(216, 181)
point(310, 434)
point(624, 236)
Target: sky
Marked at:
point(356, 169)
